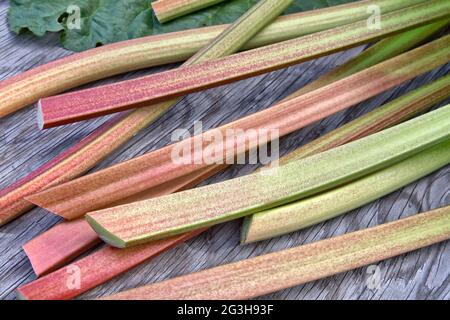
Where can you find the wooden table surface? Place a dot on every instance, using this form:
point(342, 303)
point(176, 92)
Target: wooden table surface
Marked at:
point(423, 274)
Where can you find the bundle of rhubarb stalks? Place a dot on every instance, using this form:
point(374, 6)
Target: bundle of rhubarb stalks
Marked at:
point(147, 205)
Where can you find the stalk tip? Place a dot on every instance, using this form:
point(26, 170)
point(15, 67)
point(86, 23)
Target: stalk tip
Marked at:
point(246, 223)
point(40, 116)
point(104, 234)
point(20, 295)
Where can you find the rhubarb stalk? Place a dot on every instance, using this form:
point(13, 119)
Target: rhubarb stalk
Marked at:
point(166, 10)
point(81, 68)
point(113, 134)
point(75, 198)
point(55, 248)
point(262, 275)
point(304, 213)
point(94, 102)
point(147, 220)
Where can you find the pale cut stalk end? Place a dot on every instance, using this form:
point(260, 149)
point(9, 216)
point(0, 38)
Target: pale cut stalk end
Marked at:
point(245, 229)
point(20, 295)
point(40, 116)
point(104, 234)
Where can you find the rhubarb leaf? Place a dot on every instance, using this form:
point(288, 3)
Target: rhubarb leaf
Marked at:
point(108, 21)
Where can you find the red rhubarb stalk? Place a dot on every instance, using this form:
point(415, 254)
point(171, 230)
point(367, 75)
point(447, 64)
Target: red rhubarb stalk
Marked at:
point(94, 102)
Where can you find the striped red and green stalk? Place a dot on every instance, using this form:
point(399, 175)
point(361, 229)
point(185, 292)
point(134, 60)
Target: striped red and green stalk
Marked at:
point(86, 154)
point(304, 213)
point(81, 68)
point(56, 247)
point(265, 274)
point(94, 102)
point(144, 221)
point(166, 10)
point(98, 190)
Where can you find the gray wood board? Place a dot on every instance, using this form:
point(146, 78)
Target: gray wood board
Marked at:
point(423, 274)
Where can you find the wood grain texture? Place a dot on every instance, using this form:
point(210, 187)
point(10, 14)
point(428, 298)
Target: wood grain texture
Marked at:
point(423, 274)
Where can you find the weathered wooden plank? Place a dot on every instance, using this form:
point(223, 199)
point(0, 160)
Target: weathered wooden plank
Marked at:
point(419, 275)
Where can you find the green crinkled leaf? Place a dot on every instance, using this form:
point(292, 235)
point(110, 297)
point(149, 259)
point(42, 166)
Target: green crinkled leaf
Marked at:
point(107, 21)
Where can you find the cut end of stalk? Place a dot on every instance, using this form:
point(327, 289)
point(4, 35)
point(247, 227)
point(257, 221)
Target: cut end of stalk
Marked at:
point(40, 116)
point(37, 271)
point(104, 234)
point(4, 221)
point(246, 223)
point(20, 295)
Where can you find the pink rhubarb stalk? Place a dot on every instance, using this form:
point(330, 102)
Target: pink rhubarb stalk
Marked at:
point(94, 102)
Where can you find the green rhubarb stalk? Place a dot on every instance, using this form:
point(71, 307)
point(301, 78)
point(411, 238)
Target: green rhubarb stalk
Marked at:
point(166, 10)
point(240, 32)
point(148, 220)
point(327, 205)
point(268, 273)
